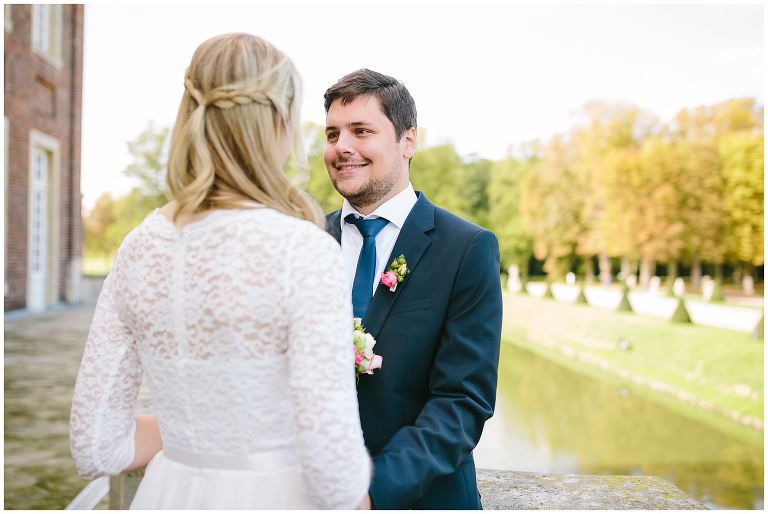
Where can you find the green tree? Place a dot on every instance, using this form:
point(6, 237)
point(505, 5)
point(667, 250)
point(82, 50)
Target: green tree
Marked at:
point(478, 172)
point(130, 210)
point(111, 219)
point(319, 185)
point(439, 172)
point(149, 155)
point(504, 217)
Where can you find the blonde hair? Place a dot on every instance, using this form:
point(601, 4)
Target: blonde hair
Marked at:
point(241, 100)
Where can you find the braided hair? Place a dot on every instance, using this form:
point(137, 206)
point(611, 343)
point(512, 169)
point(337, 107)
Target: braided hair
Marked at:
point(239, 110)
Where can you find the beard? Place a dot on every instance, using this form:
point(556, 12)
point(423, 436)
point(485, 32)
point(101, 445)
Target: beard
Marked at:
point(369, 193)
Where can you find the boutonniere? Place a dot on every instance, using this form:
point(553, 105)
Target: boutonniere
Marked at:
point(365, 360)
point(397, 272)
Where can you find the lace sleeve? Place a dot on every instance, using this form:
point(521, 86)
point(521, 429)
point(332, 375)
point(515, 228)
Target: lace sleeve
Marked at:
point(102, 426)
point(335, 463)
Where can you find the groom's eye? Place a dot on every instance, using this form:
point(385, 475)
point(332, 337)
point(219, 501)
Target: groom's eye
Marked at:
point(330, 136)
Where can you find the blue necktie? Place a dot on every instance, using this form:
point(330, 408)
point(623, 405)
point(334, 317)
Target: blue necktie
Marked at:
point(362, 291)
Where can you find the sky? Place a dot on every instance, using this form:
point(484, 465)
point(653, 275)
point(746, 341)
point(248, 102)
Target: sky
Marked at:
point(485, 75)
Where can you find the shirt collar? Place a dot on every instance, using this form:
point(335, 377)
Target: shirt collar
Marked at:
point(395, 210)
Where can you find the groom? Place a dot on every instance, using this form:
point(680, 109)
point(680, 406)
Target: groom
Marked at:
point(423, 412)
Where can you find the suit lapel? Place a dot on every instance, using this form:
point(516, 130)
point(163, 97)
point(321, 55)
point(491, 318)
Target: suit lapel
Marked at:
point(412, 242)
point(333, 225)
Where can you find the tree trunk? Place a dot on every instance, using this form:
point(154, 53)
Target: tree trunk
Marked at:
point(523, 266)
point(696, 274)
point(647, 267)
point(719, 273)
point(626, 268)
point(748, 278)
point(629, 271)
point(524, 276)
point(738, 274)
point(589, 270)
point(606, 275)
point(671, 276)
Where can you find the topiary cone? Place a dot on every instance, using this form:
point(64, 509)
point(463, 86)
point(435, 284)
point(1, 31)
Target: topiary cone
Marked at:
point(681, 313)
point(717, 293)
point(757, 333)
point(624, 305)
point(582, 298)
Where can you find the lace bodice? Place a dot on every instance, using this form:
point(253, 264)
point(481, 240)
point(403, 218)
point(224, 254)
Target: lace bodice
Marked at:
point(242, 324)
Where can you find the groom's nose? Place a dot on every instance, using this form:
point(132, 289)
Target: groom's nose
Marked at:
point(343, 144)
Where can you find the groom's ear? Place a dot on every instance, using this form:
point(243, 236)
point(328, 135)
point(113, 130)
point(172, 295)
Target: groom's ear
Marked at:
point(409, 138)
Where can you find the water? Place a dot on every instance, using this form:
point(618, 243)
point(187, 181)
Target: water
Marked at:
point(550, 419)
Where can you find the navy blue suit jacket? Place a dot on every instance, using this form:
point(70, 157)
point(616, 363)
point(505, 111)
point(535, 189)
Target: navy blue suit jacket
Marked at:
point(423, 412)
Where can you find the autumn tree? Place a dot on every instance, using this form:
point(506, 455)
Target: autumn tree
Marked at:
point(551, 208)
point(606, 142)
point(742, 155)
point(95, 226)
point(706, 127)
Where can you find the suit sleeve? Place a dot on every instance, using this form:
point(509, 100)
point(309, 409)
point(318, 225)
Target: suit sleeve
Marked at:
point(462, 386)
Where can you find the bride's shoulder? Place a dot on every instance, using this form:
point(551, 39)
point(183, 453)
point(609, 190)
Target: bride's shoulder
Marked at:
point(297, 231)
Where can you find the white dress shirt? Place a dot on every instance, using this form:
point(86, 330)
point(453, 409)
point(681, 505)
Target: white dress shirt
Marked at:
point(395, 210)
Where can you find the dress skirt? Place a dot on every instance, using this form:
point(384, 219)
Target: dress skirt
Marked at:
point(179, 479)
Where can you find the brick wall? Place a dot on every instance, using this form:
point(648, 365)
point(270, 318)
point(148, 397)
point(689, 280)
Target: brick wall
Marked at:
point(41, 96)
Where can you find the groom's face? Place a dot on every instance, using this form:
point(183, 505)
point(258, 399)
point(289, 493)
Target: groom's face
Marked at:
point(365, 162)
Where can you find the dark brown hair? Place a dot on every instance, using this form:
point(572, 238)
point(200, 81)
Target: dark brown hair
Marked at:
point(396, 102)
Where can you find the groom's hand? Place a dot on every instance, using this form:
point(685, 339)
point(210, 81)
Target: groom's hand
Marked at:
point(366, 503)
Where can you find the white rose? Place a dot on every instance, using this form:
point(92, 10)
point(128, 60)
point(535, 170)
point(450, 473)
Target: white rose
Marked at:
point(369, 341)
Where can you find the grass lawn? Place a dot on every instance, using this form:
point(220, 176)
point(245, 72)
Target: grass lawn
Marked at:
point(715, 369)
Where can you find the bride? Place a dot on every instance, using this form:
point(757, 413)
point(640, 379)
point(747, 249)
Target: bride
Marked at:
point(235, 304)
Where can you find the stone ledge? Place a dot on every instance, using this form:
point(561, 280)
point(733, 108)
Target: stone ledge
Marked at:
point(513, 490)
point(516, 490)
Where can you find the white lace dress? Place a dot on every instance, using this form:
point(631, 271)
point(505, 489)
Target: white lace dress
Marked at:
point(242, 324)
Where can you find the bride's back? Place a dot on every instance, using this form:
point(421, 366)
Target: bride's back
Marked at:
point(209, 306)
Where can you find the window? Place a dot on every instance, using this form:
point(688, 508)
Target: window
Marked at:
point(43, 221)
point(38, 236)
point(47, 25)
point(8, 19)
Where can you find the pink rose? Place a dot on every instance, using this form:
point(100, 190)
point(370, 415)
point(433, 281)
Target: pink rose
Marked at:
point(358, 358)
point(375, 362)
point(389, 279)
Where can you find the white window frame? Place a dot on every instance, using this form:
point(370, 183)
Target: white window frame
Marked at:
point(41, 141)
point(48, 32)
point(8, 18)
point(5, 206)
